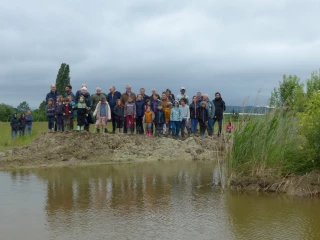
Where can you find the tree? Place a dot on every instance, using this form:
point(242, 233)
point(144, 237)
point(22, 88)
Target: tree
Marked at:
point(313, 84)
point(287, 92)
point(6, 112)
point(63, 78)
point(23, 107)
point(42, 106)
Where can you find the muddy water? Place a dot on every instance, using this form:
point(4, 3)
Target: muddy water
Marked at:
point(159, 200)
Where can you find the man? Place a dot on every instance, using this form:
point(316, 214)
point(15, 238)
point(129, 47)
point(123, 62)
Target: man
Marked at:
point(87, 99)
point(112, 98)
point(29, 120)
point(95, 98)
point(164, 100)
point(52, 94)
point(153, 91)
point(78, 93)
point(220, 107)
point(182, 95)
point(124, 98)
point(199, 98)
point(69, 92)
point(144, 97)
point(211, 111)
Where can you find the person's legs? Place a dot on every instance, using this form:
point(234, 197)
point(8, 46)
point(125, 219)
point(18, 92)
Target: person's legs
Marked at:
point(194, 125)
point(125, 125)
point(139, 125)
point(71, 124)
point(97, 125)
point(220, 126)
point(114, 122)
point(178, 127)
point(210, 126)
point(104, 124)
point(183, 125)
point(14, 133)
point(173, 128)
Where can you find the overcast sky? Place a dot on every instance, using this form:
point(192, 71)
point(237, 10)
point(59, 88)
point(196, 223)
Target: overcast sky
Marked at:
point(235, 47)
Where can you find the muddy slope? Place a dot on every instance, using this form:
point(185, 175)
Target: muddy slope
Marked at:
point(52, 148)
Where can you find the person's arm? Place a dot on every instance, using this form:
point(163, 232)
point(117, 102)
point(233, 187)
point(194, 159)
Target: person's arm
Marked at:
point(153, 116)
point(134, 110)
point(125, 111)
point(144, 118)
point(109, 111)
point(188, 113)
point(180, 114)
point(224, 106)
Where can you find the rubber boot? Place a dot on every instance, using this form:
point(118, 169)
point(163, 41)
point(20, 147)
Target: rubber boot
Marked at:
point(103, 131)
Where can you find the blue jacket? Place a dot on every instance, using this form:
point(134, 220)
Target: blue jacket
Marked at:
point(211, 109)
point(29, 120)
point(53, 96)
point(140, 108)
point(78, 94)
point(154, 105)
point(176, 114)
point(113, 100)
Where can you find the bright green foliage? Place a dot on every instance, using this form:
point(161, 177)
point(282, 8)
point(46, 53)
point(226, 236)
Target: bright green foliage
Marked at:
point(313, 84)
point(63, 78)
point(23, 107)
point(6, 112)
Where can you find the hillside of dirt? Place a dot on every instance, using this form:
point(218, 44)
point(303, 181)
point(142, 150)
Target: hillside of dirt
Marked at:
point(88, 148)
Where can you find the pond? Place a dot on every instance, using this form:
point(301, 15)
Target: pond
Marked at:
point(157, 200)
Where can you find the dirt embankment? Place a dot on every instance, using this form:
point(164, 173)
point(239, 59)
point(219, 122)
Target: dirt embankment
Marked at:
point(52, 149)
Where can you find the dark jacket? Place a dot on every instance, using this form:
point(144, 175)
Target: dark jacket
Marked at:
point(159, 117)
point(154, 105)
point(53, 96)
point(112, 100)
point(145, 98)
point(194, 110)
point(125, 96)
point(29, 120)
point(78, 94)
point(14, 123)
point(69, 113)
point(220, 107)
point(118, 111)
point(59, 110)
point(51, 111)
point(95, 98)
point(22, 123)
point(203, 115)
point(140, 108)
point(70, 94)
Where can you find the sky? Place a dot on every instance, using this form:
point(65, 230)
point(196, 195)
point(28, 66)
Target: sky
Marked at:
point(239, 48)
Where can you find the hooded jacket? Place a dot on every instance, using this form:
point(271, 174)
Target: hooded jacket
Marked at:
point(176, 114)
point(220, 107)
point(97, 111)
point(194, 110)
point(159, 117)
point(78, 94)
point(211, 109)
point(14, 123)
point(130, 109)
point(140, 108)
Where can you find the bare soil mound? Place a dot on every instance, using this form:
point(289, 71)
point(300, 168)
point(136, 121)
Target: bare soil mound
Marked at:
point(75, 147)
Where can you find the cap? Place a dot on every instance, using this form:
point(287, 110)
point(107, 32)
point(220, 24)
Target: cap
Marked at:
point(182, 88)
point(84, 88)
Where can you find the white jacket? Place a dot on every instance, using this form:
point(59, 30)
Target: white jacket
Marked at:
point(97, 111)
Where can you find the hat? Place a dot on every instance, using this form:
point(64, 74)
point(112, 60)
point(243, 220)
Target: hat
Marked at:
point(84, 88)
point(182, 88)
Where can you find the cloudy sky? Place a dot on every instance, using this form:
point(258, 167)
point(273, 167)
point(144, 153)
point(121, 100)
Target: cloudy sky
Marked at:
point(235, 47)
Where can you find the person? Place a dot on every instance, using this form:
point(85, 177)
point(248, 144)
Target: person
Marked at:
point(59, 113)
point(194, 114)
point(22, 124)
point(95, 98)
point(67, 113)
point(112, 98)
point(183, 95)
point(164, 100)
point(185, 111)
point(79, 93)
point(229, 128)
point(87, 100)
point(102, 114)
point(82, 113)
point(199, 98)
point(73, 113)
point(148, 120)
point(159, 120)
point(69, 92)
point(148, 104)
point(51, 110)
point(119, 114)
point(53, 94)
point(203, 118)
point(176, 118)
point(124, 99)
point(170, 96)
point(140, 112)
point(14, 123)
point(167, 113)
point(129, 114)
point(29, 120)
point(220, 107)
point(153, 92)
point(155, 102)
point(211, 111)
point(144, 97)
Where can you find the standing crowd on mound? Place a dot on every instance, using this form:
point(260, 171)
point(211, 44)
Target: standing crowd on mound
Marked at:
point(157, 114)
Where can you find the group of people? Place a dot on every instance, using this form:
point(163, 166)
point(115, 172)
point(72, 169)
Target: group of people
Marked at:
point(157, 114)
point(21, 125)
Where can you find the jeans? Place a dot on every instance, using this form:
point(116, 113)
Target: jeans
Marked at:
point(219, 120)
point(50, 122)
point(210, 126)
point(14, 133)
point(59, 120)
point(194, 125)
point(183, 126)
point(139, 125)
point(175, 127)
point(125, 130)
point(114, 121)
point(29, 129)
point(159, 129)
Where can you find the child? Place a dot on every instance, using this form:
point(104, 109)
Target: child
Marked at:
point(175, 119)
point(159, 120)
point(50, 115)
point(29, 120)
point(66, 112)
point(185, 111)
point(73, 113)
point(203, 118)
point(148, 103)
point(59, 113)
point(129, 114)
point(140, 113)
point(148, 119)
point(22, 124)
point(14, 123)
point(194, 114)
point(167, 112)
point(229, 128)
point(119, 113)
point(102, 114)
point(82, 113)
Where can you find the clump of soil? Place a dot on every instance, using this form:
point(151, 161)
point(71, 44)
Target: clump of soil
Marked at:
point(75, 147)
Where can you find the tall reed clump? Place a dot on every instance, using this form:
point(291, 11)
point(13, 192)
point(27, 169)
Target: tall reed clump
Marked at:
point(269, 144)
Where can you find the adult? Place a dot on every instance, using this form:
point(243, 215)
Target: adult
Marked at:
point(183, 95)
point(211, 112)
point(164, 100)
point(220, 107)
point(155, 102)
point(69, 92)
point(153, 91)
point(95, 98)
point(144, 97)
point(112, 98)
point(170, 96)
point(199, 98)
point(84, 92)
point(29, 120)
point(124, 99)
point(78, 93)
point(52, 94)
